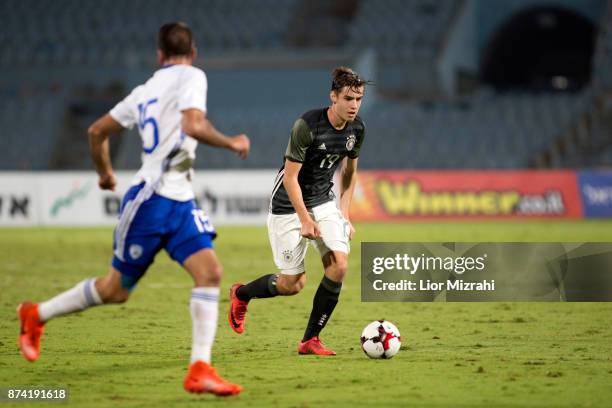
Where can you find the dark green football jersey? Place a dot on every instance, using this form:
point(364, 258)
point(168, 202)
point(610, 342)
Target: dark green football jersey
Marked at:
point(320, 148)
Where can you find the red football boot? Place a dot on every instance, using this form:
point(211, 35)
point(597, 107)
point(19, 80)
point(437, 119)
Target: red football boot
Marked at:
point(314, 346)
point(237, 311)
point(31, 330)
point(204, 378)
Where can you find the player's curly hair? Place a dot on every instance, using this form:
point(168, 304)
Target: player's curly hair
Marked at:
point(175, 39)
point(344, 76)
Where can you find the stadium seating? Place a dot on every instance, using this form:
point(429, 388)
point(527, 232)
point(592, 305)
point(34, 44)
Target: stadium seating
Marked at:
point(488, 131)
point(400, 29)
point(268, 130)
point(103, 32)
point(27, 145)
point(586, 142)
point(602, 61)
point(485, 130)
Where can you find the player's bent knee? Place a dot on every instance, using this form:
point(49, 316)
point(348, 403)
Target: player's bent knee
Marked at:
point(209, 275)
point(218, 272)
point(342, 269)
point(297, 287)
point(338, 271)
point(204, 268)
point(284, 289)
point(290, 286)
point(215, 273)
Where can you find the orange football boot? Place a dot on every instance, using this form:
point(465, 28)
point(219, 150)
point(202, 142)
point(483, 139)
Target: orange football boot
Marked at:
point(237, 311)
point(204, 378)
point(31, 330)
point(314, 346)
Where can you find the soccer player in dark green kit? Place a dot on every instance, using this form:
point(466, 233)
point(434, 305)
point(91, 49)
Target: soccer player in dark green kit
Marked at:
point(303, 208)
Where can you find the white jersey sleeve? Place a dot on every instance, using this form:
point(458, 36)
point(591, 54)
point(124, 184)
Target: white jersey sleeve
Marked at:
point(192, 91)
point(124, 112)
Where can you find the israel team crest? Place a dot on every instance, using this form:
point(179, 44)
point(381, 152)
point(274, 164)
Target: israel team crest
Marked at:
point(135, 251)
point(350, 142)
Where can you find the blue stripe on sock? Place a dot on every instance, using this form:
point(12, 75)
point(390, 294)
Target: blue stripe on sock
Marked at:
point(210, 298)
point(204, 294)
point(88, 295)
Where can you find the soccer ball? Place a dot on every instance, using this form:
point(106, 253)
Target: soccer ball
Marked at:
point(380, 339)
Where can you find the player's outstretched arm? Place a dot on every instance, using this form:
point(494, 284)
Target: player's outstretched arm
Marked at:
point(196, 125)
point(290, 181)
point(349, 180)
point(98, 134)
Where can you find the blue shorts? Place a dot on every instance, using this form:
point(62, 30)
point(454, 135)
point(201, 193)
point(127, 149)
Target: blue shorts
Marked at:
point(149, 222)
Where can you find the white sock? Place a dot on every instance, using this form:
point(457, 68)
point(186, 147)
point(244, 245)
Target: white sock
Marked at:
point(80, 297)
point(204, 307)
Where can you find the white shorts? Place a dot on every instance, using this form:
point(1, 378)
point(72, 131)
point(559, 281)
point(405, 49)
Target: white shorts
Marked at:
point(288, 245)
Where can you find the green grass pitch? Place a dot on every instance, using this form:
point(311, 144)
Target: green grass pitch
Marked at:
point(453, 354)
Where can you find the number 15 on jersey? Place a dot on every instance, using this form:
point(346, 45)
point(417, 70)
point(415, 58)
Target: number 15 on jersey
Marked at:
point(144, 120)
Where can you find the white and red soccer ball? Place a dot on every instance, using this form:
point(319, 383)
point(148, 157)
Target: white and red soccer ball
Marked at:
point(380, 339)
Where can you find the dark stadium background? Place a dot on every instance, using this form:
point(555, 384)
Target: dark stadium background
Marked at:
point(458, 84)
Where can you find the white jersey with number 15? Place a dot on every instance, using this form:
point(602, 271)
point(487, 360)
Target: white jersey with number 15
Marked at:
point(156, 108)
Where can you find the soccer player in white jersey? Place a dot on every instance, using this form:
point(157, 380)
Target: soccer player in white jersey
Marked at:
point(158, 211)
